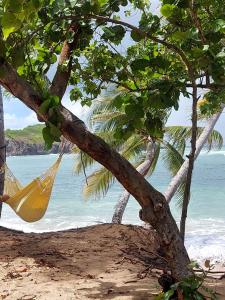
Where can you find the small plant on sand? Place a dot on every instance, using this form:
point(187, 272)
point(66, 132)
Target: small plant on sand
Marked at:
point(191, 287)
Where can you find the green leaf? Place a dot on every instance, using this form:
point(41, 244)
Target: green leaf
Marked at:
point(122, 75)
point(48, 138)
point(139, 64)
point(167, 295)
point(14, 6)
point(160, 296)
point(36, 4)
point(18, 57)
point(134, 111)
point(114, 34)
point(218, 25)
point(44, 107)
point(10, 24)
point(55, 132)
point(108, 32)
point(102, 2)
point(55, 100)
point(137, 37)
point(180, 36)
point(154, 125)
point(167, 10)
point(75, 94)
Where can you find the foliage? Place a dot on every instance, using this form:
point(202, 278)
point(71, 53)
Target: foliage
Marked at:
point(162, 56)
point(105, 118)
point(192, 287)
point(30, 134)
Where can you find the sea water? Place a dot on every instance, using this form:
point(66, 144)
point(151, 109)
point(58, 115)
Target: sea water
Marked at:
point(68, 209)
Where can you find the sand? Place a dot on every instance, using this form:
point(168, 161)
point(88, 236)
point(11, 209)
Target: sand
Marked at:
point(97, 262)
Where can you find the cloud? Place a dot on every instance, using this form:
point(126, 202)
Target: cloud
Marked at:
point(12, 121)
point(16, 121)
point(75, 107)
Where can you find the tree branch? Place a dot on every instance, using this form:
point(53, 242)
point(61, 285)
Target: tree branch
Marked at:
point(62, 75)
point(140, 32)
point(210, 86)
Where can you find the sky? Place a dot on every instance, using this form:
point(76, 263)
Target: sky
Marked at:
point(18, 116)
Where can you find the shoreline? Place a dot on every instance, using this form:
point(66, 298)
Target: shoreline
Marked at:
point(103, 261)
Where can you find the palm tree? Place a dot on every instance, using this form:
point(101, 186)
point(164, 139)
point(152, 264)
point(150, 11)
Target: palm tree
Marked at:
point(206, 134)
point(2, 148)
point(143, 169)
point(140, 149)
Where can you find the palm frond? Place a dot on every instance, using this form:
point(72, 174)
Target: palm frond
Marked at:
point(175, 133)
point(112, 123)
point(172, 158)
point(99, 183)
point(82, 160)
point(132, 147)
point(102, 105)
point(108, 137)
point(139, 159)
point(155, 160)
point(215, 140)
point(178, 134)
point(105, 116)
point(180, 195)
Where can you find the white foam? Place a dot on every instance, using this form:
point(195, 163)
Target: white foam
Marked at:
point(206, 247)
point(205, 239)
point(50, 223)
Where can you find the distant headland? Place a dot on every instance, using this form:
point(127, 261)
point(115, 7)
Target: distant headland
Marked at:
point(29, 141)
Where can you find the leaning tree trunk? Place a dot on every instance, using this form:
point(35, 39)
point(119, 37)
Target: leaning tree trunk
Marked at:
point(182, 173)
point(2, 149)
point(155, 209)
point(143, 170)
point(191, 157)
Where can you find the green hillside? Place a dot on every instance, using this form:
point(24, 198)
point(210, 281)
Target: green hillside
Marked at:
point(30, 134)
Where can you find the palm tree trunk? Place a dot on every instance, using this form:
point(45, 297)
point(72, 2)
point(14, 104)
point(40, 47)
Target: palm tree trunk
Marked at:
point(2, 148)
point(143, 170)
point(182, 173)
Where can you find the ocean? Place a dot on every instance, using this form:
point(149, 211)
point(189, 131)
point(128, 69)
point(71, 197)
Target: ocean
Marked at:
point(205, 238)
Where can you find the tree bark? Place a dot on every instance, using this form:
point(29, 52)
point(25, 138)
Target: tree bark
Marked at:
point(143, 170)
point(182, 173)
point(155, 209)
point(191, 157)
point(2, 149)
point(62, 75)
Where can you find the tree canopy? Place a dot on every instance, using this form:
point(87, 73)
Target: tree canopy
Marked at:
point(163, 53)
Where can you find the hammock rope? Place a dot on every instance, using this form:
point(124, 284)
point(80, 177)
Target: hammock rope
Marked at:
point(30, 202)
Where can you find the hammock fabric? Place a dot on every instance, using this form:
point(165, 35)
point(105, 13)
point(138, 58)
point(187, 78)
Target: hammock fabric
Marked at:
point(30, 202)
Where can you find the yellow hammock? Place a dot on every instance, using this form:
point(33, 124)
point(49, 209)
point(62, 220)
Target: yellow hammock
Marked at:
point(30, 202)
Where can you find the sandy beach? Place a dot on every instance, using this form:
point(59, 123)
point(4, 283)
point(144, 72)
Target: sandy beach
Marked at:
point(97, 262)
